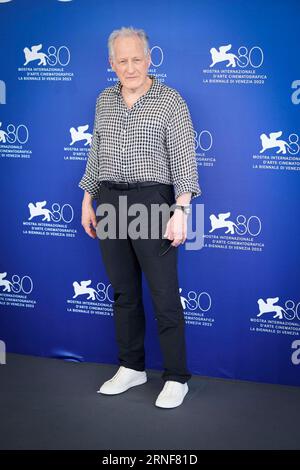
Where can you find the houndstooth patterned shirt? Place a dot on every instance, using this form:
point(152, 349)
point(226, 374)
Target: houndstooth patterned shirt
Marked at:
point(151, 141)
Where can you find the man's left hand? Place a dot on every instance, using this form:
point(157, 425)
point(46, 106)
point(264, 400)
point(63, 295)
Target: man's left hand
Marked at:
point(176, 229)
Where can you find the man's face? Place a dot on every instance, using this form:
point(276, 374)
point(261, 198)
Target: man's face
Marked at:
point(129, 62)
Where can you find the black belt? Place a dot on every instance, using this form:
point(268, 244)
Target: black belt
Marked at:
point(125, 185)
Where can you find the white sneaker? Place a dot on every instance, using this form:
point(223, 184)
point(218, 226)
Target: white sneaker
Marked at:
point(172, 394)
point(124, 379)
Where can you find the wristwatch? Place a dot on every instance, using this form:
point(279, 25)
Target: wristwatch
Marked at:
point(186, 209)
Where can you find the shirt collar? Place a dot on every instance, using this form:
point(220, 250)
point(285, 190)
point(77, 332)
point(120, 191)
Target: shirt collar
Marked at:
point(154, 90)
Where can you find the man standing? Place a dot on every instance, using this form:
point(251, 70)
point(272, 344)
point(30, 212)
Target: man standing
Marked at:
point(142, 148)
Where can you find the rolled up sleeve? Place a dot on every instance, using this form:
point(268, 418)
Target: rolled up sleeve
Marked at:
point(90, 181)
point(180, 143)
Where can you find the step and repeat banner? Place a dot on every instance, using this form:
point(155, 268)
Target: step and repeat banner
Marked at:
point(236, 64)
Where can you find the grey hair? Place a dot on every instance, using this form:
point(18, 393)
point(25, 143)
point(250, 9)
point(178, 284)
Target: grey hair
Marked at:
point(126, 32)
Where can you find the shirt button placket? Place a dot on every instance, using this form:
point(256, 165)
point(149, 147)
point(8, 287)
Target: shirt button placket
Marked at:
point(123, 145)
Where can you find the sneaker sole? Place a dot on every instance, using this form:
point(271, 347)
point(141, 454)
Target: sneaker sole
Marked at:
point(125, 388)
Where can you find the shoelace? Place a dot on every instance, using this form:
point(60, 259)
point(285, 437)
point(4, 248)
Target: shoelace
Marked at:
point(169, 385)
point(116, 375)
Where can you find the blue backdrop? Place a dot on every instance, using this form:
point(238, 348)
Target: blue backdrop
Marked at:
point(236, 63)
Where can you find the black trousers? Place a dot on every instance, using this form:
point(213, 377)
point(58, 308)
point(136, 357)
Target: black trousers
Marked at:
point(125, 259)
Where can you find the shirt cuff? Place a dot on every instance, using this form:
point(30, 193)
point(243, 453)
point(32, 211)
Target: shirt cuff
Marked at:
point(90, 185)
point(186, 186)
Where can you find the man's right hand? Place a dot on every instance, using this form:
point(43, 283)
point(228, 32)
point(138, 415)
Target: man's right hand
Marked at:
point(88, 216)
